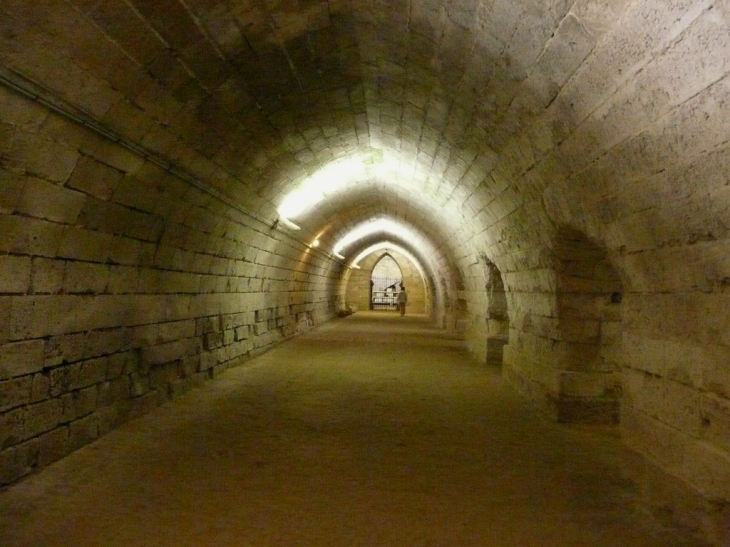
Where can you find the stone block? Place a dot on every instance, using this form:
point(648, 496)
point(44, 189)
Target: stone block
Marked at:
point(12, 466)
point(171, 351)
point(611, 333)
point(95, 178)
point(15, 392)
point(715, 371)
point(112, 416)
point(715, 414)
point(139, 384)
point(85, 401)
point(52, 202)
point(113, 391)
point(133, 191)
point(208, 360)
point(588, 384)
point(83, 277)
point(47, 276)
point(117, 157)
point(125, 251)
point(178, 307)
point(587, 410)
point(11, 188)
point(115, 365)
point(580, 330)
point(41, 157)
point(59, 380)
point(83, 431)
point(41, 388)
point(208, 324)
point(81, 244)
point(123, 279)
point(144, 404)
point(673, 403)
point(14, 274)
point(31, 316)
point(241, 333)
point(188, 366)
point(103, 342)
point(145, 335)
point(651, 438)
point(68, 409)
point(675, 360)
point(68, 348)
point(53, 446)
point(6, 306)
point(86, 373)
point(11, 427)
point(24, 235)
point(707, 468)
point(41, 417)
point(175, 330)
point(119, 220)
point(163, 376)
point(495, 350)
point(21, 358)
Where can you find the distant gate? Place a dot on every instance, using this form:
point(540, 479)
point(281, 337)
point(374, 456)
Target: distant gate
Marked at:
point(384, 295)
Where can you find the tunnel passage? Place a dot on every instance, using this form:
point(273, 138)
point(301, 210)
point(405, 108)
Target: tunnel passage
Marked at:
point(167, 167)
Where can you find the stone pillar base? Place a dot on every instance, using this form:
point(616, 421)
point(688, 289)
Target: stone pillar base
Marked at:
point(495, 350)
point(587, 410)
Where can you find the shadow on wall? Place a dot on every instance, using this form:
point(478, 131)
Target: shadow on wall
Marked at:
point(497, 316)
point(589, 303)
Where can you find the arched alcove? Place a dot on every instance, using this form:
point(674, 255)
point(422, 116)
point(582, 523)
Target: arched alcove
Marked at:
point(589, 304)
point(497, 316)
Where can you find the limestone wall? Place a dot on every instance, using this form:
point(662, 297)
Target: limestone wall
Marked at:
point(122, 285)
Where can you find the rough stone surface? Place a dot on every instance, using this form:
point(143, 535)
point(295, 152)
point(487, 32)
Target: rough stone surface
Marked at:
point(329, 439)
point(576, 151)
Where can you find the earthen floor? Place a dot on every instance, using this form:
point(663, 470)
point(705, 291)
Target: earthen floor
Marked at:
point(369, 431)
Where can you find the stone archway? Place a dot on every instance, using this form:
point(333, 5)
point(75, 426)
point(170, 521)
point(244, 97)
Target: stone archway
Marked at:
point(386, 280)
point(358, 289)
point(589, 303)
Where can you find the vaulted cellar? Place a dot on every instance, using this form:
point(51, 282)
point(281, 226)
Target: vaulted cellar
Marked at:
point(186, 183)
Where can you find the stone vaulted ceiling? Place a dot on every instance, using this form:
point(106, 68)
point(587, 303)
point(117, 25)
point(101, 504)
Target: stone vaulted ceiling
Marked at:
point(483, 124)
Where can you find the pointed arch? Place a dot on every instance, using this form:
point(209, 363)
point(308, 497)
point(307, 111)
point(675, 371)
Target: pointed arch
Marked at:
point(359, 288)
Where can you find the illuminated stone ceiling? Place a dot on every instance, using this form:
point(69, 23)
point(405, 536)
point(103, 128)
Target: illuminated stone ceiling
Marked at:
point(481, 124)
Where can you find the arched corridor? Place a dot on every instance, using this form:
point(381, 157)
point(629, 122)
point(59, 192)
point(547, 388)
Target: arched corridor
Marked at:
point(368, 431)
point(187, 184)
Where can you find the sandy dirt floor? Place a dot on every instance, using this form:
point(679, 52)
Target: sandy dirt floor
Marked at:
point(369, 431)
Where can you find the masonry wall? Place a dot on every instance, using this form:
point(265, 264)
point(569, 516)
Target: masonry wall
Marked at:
point(122, 286)
point(632, 153)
